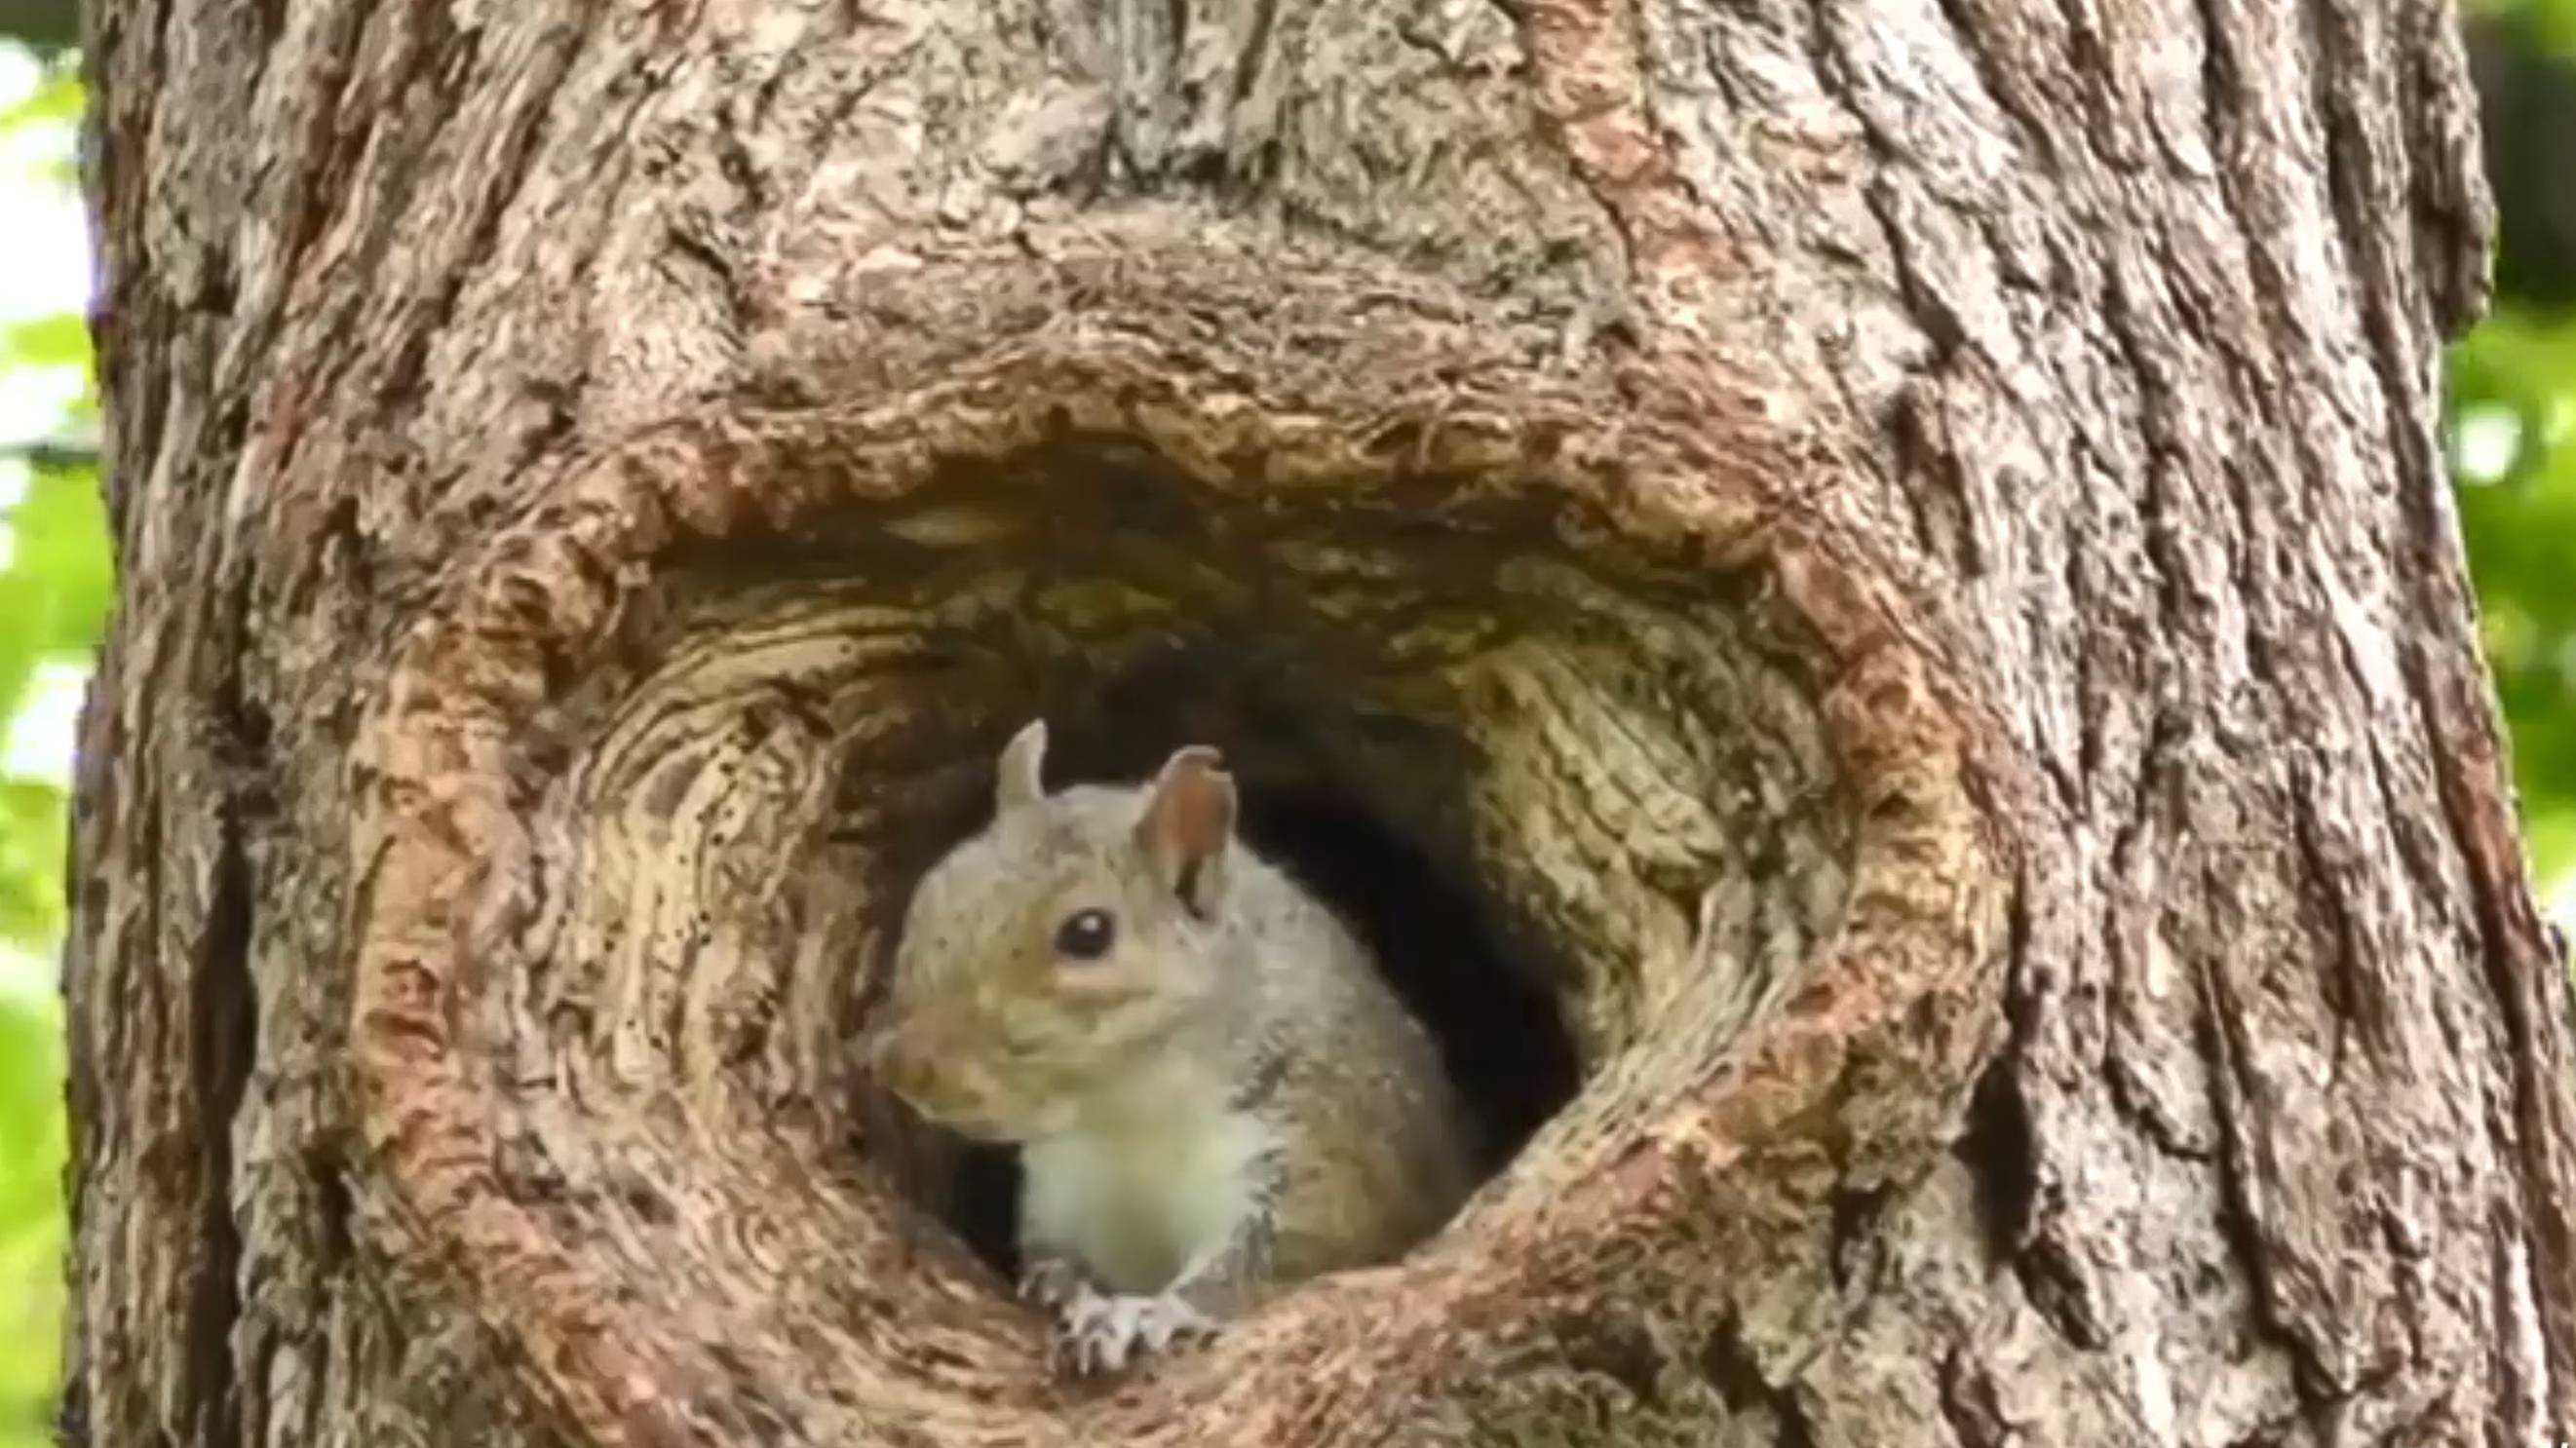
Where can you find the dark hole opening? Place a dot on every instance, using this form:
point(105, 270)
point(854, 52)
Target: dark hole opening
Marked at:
point(1497, 1028)
point(1496, 1023)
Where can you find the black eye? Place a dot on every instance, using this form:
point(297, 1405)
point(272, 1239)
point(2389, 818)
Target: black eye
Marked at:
point(1085, 934)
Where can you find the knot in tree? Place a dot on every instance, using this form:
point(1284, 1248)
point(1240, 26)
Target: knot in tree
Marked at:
point(1857, 608)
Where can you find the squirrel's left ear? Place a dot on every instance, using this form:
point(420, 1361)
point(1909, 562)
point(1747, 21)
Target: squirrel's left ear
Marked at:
point(1188, 821)
point(1015, 778)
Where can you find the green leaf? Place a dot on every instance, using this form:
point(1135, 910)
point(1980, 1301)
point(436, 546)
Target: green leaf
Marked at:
point(2517, 374)
point(61, 340)
point(61, 530)
point(56, 100)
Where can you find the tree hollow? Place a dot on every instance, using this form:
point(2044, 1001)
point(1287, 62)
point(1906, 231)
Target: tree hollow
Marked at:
point(692, 735)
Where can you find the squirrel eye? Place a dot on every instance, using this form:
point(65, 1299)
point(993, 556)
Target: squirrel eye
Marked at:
point(1085, 934)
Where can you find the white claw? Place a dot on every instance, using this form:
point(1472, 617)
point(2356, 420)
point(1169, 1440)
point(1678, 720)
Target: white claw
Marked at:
point(1050, 1284)
point(1102, 1332)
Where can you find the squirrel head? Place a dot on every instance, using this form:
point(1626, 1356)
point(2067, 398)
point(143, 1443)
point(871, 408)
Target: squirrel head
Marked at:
point(1045, 960)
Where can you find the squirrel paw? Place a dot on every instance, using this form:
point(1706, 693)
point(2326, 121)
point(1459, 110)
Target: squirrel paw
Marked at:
point(1053, 1282)
point(1101, 1332)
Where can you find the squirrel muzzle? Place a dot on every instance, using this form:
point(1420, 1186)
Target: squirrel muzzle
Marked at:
point(914, 1059)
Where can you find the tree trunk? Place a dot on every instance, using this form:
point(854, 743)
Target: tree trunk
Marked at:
point(1891, 558)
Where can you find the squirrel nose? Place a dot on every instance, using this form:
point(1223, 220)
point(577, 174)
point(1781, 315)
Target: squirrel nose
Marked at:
point(914, 1058)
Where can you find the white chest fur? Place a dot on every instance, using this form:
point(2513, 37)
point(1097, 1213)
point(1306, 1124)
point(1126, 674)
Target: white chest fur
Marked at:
point(1142, 1207)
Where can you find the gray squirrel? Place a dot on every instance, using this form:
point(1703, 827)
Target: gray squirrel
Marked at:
point(1214, 1092)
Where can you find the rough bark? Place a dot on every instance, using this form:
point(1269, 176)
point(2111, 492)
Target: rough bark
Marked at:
point(1894, 550)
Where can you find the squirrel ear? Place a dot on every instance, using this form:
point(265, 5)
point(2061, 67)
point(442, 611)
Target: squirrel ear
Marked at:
point(1016, 785)
point(1188, 821)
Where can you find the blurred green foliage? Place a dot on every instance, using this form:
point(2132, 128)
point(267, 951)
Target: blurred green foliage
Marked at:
point(55, 592)
point(2512, 419)
point(32, 1233)
point(2513, 432)
point(2513, 384)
